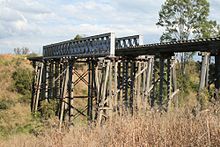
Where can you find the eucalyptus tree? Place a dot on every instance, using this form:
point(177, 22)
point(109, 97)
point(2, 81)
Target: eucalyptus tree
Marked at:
point(182, 20)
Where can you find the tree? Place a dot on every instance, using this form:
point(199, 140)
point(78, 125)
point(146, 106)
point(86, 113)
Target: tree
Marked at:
point(25, 51)
point(208, 29)
point(21, 51)
point(17, 51)
point(182, 20)
point(78, 37)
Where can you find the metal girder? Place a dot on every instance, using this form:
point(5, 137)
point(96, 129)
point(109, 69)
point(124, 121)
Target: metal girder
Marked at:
point(98, 45)
point(93, 46)
point(129, 41)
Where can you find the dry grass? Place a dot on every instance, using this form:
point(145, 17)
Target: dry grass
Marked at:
point(8, 64)
point(178, 128)
point(17, 114)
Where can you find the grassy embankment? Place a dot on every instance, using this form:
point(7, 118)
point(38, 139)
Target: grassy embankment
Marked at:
point(15, 77)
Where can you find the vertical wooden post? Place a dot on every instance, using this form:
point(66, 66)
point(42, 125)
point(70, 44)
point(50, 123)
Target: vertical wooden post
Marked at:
point(148, 80)
point(161, 82)
point(135, 88)
point(56, 89)
point(125, 83)
point(132, 77)
point(217, 75)
point(207, 70)
point(89, 111)
point(50, 79)
point(39, 87)
point(97, 78)
point(47, 80)
point(203, 71)
point(116, 85)
point(174, 82)
point(110, 100)
point(44, 81)
point(168, 82)
point(143, 98)
point(152, 94)
point(61, 74)
point(103, 96)
point(33, 89)
point(63, 94)
point(95, 86)
point(120, 101)
point(70, 89)
point(138, 97)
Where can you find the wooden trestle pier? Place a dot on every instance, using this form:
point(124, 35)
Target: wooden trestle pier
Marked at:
point(122, 76)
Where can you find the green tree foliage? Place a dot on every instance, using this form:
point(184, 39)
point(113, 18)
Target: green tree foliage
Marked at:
point(208, 29)
point(182, 18)
point(78, 37)
point(185, 19)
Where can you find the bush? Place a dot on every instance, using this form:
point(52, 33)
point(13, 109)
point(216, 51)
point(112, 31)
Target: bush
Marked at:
point(34, 127)
point(32, 55)
point(48, 109)
point(203, 99)
point(6, 104)
point(22, 80)
point(25, 98)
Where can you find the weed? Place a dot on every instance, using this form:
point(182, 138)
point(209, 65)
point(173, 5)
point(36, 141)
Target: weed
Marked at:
point(6, 104)
point(48, 109)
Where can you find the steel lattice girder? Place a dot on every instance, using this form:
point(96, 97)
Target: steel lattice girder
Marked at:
point(94, 46)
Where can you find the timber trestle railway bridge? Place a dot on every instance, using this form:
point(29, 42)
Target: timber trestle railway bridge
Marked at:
point(122, 75)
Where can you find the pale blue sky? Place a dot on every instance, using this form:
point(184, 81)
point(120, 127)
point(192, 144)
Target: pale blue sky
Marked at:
point(34, 23)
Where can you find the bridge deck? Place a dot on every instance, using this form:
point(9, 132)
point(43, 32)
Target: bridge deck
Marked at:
point(204, 45)
point(211, 45)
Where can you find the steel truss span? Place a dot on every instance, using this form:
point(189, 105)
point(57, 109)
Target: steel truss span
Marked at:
point(121, 75)
point(94, 46)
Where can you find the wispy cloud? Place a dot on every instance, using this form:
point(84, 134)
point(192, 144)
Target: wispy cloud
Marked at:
point(34, 23)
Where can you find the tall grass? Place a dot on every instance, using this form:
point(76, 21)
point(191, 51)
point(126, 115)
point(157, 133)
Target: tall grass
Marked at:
point(179, 128)
point(182, 127)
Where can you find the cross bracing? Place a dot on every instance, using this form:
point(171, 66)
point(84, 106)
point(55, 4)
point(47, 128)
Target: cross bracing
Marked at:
point(120, 75)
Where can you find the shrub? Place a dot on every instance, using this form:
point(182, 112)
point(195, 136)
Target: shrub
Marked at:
point(22, 80)
point(203, 99)
point(6, 104)
point(48, 109)
point(32, 55)
point(25, 98)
